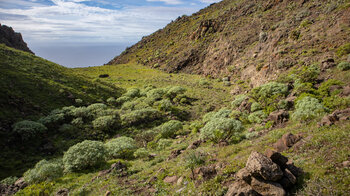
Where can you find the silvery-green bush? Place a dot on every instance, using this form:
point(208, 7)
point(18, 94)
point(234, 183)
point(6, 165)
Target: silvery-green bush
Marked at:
point(141, 153)
point(170, 128)
point(106, 123)
point(255, 107)
point(137, 117)
point(85, 155)
point(219, 129)
point(308, 108)
point(28, 129)
point(44, 171)
point(121, 147)
point(257, 117)
point(238, 100)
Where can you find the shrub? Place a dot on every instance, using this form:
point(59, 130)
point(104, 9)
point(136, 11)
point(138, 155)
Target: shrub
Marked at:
point(169, 129)
point(307, 108)
point(238, 100)
point(137, 117)
point(308, 73)
point(235, 114)
point(174, 91)
point(106, 123)
point(300, 87)
point(28, 129)
point(270, 89)
point(66, 128)
point(78, 101)
point(255, 107)
point(111, 101)
point(204, 82)
point(164, 105)
point(132, 93)
point(121, 147)
point(9, 180)
point(343, 66)
point(343, 50)
point(44, 171)
point(52, 120)
point(141, 153)
point(257, 117)
point(163, 143)
point(84, 155)
point(122, 100)
point(77, 122)
point(96, 107)
point(194, 159)
point(325, 87)
point(208, 116)
point(219, 129)
point(222, 113)
point(155, 94)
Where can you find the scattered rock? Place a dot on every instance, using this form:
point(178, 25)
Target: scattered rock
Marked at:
point(170, 179)
point(327, 64)
point(108, 193)
point(287, 141)
point(244, 174)
point(118, 166)
point(296, 171)
point(328, 120)
point(180, 180)
point(346, 164)
point(346, 91)
point(279, 117)
point(260, 165)
point(338, 115)
point(20, 183)
point(103, 76)
point(174, 154)
point(250, 130)
point(277, 158)
point(195, 144)
point(62, 192)
point(207, 172)
point(241, 188)
point(245, 106)
point(288, 179)
point(264, 187)
point(14, 188)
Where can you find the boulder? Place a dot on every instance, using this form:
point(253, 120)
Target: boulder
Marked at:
point(346, 91)
point(174, 154)
point(277, 157)
point(279, 117)
point(241, 188)
point(288, 179)
point(170, 179)
point(244, 174)
point(195, 144)
point(289, 139)
point(260, 165)
point(267, 188)
point(62, 192)
point(20, 183)
point(245, 106)
point(207, 172)
point(296, 171)
point(327, 63)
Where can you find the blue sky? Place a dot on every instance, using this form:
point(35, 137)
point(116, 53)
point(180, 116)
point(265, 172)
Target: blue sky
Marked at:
point(85, 23)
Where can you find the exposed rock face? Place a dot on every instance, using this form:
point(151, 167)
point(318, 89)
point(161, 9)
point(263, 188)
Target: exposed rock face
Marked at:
point(12, 39)
point(265, 175)
point(14, 188)
point(338, 115)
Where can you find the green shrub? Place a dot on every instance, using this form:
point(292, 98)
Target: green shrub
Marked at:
point(155, 94)
point(44, 171)
point(77, 122)
point(121, 147)
point(132, 93)
point(307, 108)
point(9, 180)
point(170, 128)
point(107, 112)
point(344, 66)
point(238, 100)
point(111, 101)
point(122, 100)
point(163, 143)
point(66, 128)
point(255, 107)
point(78, 101)
point(85, 155)
point(137, 117)
point(219, 129)
point(300, 87)
point(208, 116)
point(336, 102)
point(164, 105)
point(257, 117)
point(106, 123)
point(324, 89)
point(52, 120)
point(194, 159)
point(308, 73)
point(222, 113)
point(196, 126)
point(203, 82)
point(343, 50)
point(174, 91)
point(28, 129)
point(269, 90)
point(141, 153)
point(235, 114)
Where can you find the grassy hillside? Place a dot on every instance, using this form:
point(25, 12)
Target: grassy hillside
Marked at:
point(249, 40)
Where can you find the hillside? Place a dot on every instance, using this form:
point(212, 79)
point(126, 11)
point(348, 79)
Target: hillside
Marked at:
point(254, 41)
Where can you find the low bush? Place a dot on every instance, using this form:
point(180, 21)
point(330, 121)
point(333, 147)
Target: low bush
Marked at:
point(28, 129)
point(122, 100)
point(132, 93)
point(325, 88)
point(174, 91)
point(85, 155)
point(164, 105)
point(255, 107)
point(141, 153)
point(257, 117)
point(343, 50)
point(219, 129)
point(222, 113)
point(52, 120)
point(121, 147)
point(155, 94)
point(106, 123)
point(111, 101)
point(269, 90)
point(9, 180)
point(137, 117)
point(44, 171)
point(344, 66)
point(307, 108)
point(238, 100)
point(194, 159)
point(163, 143)
point(170, 128)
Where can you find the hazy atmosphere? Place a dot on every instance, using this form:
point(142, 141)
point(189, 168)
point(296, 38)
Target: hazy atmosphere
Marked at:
point(78, 33)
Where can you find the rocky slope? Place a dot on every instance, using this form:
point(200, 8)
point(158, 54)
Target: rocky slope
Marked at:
point(249, 40)
point(12, 39)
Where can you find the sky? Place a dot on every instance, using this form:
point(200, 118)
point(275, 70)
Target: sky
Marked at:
point(81, 33)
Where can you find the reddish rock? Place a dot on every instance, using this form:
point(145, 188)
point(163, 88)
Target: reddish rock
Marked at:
point(279, 117)
point(327, 63)
point(260, 165)
point(207, 172)
point(265, 188)
point(195, 144)
point(170, 179)
point(174, 154)
point(241, 188)
point(346, 91)
point(244, 174)
point(277, 157)
point(62, 192)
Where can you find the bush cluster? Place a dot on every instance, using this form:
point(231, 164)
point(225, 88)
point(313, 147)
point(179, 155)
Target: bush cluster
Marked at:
point(28, 129)
point(307, 108)
point(170, 128)
point(44, 171)
point(257, 117)
point(121, 147)
point(238, 100)
point(344, 66)
point(137, 117)
point(219, 129)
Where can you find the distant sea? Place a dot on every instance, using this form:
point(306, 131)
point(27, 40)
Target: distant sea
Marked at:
point(79, 55)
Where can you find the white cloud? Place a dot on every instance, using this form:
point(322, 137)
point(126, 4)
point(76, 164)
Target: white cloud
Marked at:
point(170, 2)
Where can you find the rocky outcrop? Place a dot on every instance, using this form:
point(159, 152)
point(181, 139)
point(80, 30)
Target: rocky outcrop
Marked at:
point(12, 39)
point(279, 117)
point(14, 188)
point(270, 174)
point(287, 141)
point(338, 115)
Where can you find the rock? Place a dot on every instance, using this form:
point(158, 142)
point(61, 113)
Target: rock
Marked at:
point(288, 179)
point(289, 139)
point(118, 166)
point(108, 193)
point(20, 183)
point(260, 165)
point(179, 181)
point(103, 76)
point(244, 174)
point(223, 143)
point(346, 91)
point(62, 192)
point(250, 130)
point(280, 146)
point(328, 120)
point(170, 179)
point(277, 158)
point(207, 172)
point(296, 171)
point(267, 188)
point(279, 117)
point(174, 154)
point(195, 144)
point(12, 39)
point(346, 164)
point(104, 172)
point(240, 188)
point(327, 63)
point(245, 106)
